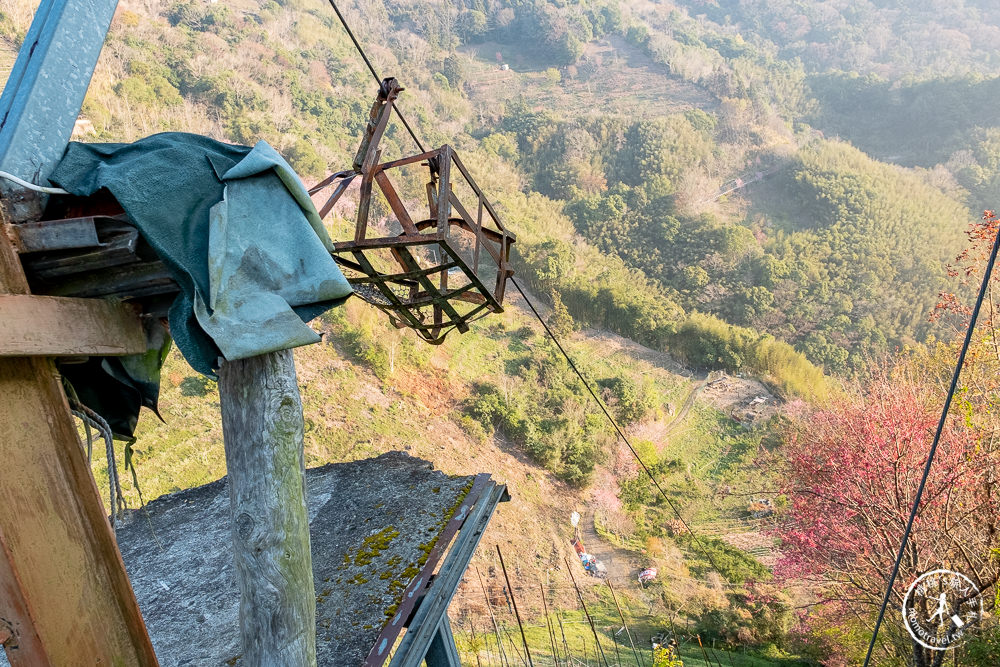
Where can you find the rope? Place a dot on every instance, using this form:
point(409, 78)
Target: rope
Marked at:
point(116, 497)
point(569, 360)
point(31, 186)
point(934, 444)
point(371, 68)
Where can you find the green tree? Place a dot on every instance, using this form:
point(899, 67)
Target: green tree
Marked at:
point(561, 322)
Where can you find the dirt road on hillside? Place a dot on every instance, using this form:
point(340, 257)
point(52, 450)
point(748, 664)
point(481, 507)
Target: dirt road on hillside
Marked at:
point(621, 563)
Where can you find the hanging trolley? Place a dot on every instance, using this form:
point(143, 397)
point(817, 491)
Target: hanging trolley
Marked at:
point(443, 269)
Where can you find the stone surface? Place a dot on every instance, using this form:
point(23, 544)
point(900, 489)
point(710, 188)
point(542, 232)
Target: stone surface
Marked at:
point(370, 523)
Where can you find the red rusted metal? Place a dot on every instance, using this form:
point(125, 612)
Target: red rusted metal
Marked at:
point(459, 240)
point(392, 628)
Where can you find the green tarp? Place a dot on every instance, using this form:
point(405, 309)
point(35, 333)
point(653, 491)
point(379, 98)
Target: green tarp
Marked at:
point(236, 228)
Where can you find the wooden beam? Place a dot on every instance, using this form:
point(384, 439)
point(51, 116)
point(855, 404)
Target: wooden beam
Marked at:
point(426, 622)
point(64, 592)
point(49, 235)
point(56, 326)
point(75, 597)
point(72, 602)
point(263, 430)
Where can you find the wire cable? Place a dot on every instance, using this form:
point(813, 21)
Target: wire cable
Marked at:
point(934, 444)
point(31, 186)
point(614, 424)
point(569, 360)
point(371, 68)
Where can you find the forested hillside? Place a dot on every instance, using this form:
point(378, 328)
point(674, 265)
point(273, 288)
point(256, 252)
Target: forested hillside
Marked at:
point(781, 191)
point(735, 210)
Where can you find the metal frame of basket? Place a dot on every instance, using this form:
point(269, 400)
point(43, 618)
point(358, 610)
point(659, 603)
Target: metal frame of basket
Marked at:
point(431, 277)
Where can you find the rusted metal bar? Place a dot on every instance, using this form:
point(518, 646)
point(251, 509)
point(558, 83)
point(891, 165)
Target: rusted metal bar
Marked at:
point(347, 174)
point(461, 222)
point(394, 203)
point(402, 162)
point(479, 235)
point(590, 620)
point(401, 309)
point(621, 614)
point(513, 601)
point(411, 297)
point(394, 241)
point(475, 187)
point(378, 118)
point(467, 223)
point(444, 190)
point(409, 275)
point(337, 192)
point(439, 304)
point(364, 206)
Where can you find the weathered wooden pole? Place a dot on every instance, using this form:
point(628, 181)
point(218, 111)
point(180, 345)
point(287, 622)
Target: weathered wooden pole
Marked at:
point(263, 430)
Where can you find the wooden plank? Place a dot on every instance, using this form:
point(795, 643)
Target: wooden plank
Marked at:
point(127, 281)
point(60, 553)
point(424, 625)
point(54, 234)
point(413, 593)
point(17, 636)
point(263, 432)
point(395, 203)
point(12, 280)
point(57, 326)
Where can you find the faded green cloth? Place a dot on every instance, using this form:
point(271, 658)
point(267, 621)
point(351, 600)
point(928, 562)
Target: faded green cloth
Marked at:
point(236, 228)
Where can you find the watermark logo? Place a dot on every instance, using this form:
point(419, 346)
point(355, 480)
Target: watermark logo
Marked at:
point(939, 609)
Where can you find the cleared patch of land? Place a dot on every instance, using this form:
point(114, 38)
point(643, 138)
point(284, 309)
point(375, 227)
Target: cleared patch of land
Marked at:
point(612, 77)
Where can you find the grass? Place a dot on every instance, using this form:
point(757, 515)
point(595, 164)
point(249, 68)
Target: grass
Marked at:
point(579, 638)
point(350, 415)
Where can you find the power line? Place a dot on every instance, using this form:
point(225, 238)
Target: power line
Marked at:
point(934, 444)
point(569, 360)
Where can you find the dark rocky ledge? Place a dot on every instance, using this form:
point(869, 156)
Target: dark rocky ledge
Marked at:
point(372, 524)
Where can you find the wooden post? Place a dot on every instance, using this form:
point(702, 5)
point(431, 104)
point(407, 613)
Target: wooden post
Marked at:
point(263, 430)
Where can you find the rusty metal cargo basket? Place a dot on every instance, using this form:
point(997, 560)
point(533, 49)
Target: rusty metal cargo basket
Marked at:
point(442, 272)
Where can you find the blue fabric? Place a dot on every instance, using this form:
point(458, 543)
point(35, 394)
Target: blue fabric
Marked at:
point(237, 230)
